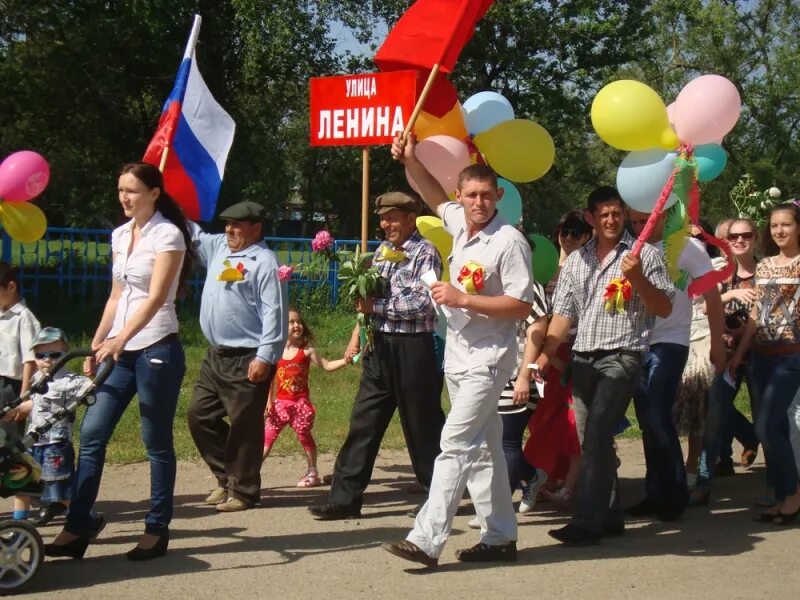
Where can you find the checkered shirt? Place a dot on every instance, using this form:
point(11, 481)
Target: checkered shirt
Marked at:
point(579, 297)
point(407, 306)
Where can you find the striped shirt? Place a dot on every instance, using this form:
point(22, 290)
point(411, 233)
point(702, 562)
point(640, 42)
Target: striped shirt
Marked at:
point(579, 297)
point(407, 306)
point(539, 309)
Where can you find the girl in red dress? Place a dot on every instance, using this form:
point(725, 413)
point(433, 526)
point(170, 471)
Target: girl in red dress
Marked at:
point(289, 402)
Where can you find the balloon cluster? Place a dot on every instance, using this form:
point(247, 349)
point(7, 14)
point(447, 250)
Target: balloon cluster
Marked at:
point(484, 130)
point(631, 116)
point(23, 176)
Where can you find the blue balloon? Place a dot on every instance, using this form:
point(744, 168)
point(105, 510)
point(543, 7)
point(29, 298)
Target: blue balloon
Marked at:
point(642, 176)
point(510, 205)
point(484, 110)
point(711, 160)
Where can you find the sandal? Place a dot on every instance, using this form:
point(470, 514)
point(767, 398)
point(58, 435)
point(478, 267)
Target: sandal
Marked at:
point(310, 479)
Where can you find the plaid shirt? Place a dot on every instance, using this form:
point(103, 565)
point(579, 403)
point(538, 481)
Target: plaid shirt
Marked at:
point(407, 306)
point(579, 297)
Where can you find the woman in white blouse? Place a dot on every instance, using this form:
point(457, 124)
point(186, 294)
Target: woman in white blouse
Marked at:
point(139, 330)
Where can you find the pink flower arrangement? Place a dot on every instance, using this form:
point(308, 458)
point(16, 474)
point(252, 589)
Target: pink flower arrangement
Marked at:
point(285, 272)
point(322, 242)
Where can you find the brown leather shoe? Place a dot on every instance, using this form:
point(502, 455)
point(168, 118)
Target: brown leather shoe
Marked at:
point(481, 552)
point(410, 551)
point(748, 457)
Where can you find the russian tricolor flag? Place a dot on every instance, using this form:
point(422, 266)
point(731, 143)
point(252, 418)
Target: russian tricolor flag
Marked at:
point(193, 139)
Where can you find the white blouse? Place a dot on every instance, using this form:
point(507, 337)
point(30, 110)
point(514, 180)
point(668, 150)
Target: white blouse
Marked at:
point(134, 271)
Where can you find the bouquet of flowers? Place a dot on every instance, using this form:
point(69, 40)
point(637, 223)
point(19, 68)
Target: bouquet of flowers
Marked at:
point(751, 203)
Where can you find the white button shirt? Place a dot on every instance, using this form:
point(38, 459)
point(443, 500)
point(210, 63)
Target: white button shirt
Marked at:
point(134, 271)
point(505, 256)
point(18, 327)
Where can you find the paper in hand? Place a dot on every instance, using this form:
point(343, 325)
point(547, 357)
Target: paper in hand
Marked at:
point(456, 317)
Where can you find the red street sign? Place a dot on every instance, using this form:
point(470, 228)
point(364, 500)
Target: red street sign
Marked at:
point(361, 110)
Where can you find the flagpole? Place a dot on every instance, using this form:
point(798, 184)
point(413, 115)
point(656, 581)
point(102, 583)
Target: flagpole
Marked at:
point(187, 53)
point(364, 196)
point(421, 102)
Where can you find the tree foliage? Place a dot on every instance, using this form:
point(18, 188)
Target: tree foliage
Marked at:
point(85, 81)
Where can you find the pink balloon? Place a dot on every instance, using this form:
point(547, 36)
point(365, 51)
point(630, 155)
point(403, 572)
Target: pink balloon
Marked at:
point(23, 175)
point(706, 109)
point(444, 157)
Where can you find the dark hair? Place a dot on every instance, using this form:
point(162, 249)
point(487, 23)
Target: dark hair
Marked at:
point(8, 274)
point(478, 172)
point(166, 205)
point(769, 245)
point(308, 335)
point(574, 220)
point(605, 193)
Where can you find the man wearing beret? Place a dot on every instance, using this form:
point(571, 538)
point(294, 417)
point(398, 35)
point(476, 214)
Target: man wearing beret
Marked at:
point(244, 316)
point(400, 371)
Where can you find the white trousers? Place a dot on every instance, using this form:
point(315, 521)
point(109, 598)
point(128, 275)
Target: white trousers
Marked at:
point(472, 457)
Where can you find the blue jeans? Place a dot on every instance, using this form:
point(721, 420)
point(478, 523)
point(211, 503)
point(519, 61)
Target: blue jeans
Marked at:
point(653, 399)
point(154, 374)
point(519, 469)
point(776, 383)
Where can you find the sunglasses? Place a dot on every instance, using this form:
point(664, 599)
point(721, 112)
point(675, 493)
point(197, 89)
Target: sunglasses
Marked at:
point(50, 355)
point(745, 235)
point(571, 233)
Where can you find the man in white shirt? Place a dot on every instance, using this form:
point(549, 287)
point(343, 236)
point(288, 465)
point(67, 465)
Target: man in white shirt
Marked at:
point(666, 493)
point(491, 279)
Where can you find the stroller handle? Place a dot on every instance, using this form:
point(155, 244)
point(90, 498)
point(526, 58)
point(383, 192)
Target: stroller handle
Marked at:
point(40, 386)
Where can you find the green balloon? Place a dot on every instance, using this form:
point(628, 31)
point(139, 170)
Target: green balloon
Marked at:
point(545, 258)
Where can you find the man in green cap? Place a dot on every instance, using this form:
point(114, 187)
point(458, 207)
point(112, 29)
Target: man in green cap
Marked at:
point(244, 316)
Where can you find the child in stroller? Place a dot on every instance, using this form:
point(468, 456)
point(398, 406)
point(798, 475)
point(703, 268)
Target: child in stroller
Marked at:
point(21, 546)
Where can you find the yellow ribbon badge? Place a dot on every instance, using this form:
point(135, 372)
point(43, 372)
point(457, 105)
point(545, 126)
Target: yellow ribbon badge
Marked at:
point(471, 277)
point(229, 273)
point(392, 256)
point(617, 293)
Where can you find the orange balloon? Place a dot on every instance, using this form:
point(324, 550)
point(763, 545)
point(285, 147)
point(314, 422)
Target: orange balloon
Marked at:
point(452, 124)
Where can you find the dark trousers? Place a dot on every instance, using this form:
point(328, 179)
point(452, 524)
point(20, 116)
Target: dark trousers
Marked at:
point(602, 385)
point(9, 391)
point(519, 469)
point(232, 451)
point(398, 374)
point(653, 398)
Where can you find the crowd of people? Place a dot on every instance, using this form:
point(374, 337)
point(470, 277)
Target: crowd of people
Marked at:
point(563, 360)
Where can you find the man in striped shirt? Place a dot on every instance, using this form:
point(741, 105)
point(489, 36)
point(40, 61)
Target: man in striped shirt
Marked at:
point(400, 371)
point(608, 351)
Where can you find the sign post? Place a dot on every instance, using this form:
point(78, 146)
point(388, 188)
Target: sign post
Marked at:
point(361, 110)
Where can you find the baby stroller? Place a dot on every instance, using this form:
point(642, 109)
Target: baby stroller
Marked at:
point(21, 546)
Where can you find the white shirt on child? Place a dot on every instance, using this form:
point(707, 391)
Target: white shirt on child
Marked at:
point(18, 327)
point(135, 271)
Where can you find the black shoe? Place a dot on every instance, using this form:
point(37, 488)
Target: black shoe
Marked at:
point(615, 530)
point(74, 549)
point(156, 550)
point(645, 508)
point(569, 535)
point(47, 513)
point(485, 553)
point(786, 518)
point(724, 469)
point(408, 551)
point(671, 511)
point(333, 512)
point(99, 525)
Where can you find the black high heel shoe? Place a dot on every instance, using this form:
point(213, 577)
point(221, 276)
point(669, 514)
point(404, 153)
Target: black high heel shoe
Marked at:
point(765, 518)
point(74, 549)
point(156, 550)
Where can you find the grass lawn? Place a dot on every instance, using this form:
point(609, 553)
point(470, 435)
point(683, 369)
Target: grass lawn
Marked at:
point(331, 393)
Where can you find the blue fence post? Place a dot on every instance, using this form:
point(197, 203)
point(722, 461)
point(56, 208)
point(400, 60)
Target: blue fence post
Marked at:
point(6, 248)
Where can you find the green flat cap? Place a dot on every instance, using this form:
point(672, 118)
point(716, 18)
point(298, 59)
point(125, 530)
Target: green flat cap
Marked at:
point(243, 211)
point(391, 200)
point(48, 335)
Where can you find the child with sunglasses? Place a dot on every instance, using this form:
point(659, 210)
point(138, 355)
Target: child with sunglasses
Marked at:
point(54, 450)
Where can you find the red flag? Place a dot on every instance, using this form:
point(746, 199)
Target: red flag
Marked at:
point(431, 32)
point(442, 95)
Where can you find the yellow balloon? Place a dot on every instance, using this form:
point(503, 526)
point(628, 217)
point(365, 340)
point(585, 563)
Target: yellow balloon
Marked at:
point(22, 221)
point(629, 115)
point(518, 149)
point(452, 124)
point(432, 229)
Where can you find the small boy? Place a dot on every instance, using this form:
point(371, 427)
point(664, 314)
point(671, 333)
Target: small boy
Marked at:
point(54, 449)
point(18, 327)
